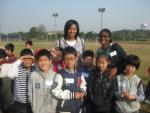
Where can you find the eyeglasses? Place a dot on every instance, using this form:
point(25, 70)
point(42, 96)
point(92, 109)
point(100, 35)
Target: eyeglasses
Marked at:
point(69, 58)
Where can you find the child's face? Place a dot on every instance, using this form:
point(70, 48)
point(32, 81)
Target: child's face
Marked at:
point(88, 61)
point(8, 52)
point(27, 62)
point(58, 56)
point(44, 63)
point(102, 63)
point(130, 69)
point(28, 46)
point(70, 60)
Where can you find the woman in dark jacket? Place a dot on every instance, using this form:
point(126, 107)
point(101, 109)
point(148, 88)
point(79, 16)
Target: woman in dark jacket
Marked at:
point(114, 50)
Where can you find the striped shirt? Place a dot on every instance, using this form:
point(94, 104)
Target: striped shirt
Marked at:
point(21, 84)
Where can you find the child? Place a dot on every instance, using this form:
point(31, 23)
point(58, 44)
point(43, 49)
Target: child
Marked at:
point(57, 59)
point(40, 84)
point(88, 57)
point(71, 85)
point(9, 49)
point(130, 89)
point(147, 91)
point(101, 88)
point(29, 45)
point(3, 56)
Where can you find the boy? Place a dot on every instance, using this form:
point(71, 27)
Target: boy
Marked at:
point(147, 91)
point(20, 72)
point(40, 83)
point(57, 59)
point(71, 85)
point(9, 49)
point(130, 89)
point(88, 57)
point(29, 44)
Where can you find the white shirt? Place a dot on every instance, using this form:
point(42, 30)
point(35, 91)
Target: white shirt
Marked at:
point(71, 43)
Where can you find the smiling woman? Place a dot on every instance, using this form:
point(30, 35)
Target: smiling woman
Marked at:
point(114, 50)
point(71, 38)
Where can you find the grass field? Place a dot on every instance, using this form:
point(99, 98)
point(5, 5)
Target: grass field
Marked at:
point(142, 49)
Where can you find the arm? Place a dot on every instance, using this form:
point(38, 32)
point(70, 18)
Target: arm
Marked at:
point(30, 89)
point(140, 93)
point(83, 85)
point(113, 88)
point(10, 70)
point(58, 92)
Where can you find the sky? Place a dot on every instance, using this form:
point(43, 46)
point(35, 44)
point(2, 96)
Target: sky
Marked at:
point(21, 15)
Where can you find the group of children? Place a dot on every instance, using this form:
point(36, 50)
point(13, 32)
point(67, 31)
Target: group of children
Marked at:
point(52, 83)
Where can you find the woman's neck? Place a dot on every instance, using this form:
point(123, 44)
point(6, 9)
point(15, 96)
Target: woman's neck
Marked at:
point(71, 39)
point(105, 46)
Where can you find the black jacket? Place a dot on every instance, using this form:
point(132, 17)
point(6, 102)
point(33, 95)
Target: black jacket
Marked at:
point(117, 55)
point(101, 89)
point(0, 97)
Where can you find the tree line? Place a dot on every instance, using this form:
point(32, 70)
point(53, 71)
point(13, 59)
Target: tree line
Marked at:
point(40, 33)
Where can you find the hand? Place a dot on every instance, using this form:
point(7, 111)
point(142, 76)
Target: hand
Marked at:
point(53, 52)
point(113, 72)
point(78, 95)
point(26, 57)
point(131, 97)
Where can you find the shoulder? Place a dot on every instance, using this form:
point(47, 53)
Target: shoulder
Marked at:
point(35, 74)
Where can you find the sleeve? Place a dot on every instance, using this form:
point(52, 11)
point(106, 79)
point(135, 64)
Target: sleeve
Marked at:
point(140, 92)
point(10, 70)
point(58, 92)
point(122, 53)
point(90, 86)
point(113, 88)
point(30, 90)
point(0, 104)
point(83, 85)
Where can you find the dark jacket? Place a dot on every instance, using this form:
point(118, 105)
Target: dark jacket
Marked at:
point(117, 55)
point(0, 97)
point(101, 89)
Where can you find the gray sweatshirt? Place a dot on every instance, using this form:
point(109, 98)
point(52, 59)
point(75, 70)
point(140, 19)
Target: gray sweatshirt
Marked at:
point(134, 87)
point(40, 96)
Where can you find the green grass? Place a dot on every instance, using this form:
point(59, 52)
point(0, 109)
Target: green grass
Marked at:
point(142, 49)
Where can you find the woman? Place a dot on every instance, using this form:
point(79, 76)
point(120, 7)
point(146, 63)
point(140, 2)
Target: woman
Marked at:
point(71, 38)
point(114, 50)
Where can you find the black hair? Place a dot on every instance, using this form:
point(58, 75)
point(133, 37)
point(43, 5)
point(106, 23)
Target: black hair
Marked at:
point(3, 54)
point(133, 60)
point(88, 53)
point(9, 46)
point(26, 52)
point(103, 55)
point(43, 52)
point(29, 42)
point(68, 24)
point(105, 30)
point(59, 49)
point(70, 50)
